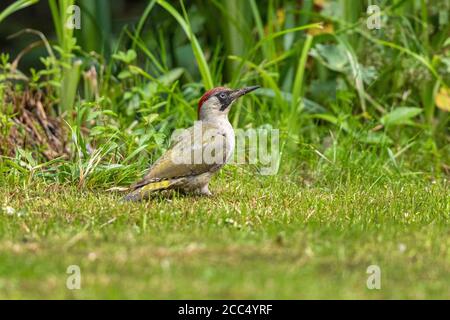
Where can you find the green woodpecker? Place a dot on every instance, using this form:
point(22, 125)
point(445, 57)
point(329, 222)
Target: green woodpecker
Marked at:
point(196, 153)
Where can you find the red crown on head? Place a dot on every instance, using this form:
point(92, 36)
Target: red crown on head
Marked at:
point(206, 96)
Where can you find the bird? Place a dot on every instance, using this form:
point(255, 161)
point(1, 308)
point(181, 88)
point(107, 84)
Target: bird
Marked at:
point(197, 153)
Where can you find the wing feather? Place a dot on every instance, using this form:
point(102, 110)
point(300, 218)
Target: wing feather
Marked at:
point(178, 160)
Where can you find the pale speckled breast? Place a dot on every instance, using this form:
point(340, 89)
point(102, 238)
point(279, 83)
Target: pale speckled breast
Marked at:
point(224, 128)
point(230, 141)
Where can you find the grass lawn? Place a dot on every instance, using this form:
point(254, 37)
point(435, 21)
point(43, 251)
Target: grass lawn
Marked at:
point(257, 237)
point(353, 104)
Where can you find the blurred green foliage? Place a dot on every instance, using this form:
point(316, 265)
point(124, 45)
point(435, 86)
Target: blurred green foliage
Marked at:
point(135, 71)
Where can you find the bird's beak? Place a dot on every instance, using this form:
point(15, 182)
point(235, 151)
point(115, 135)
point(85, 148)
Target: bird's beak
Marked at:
point(240, 92)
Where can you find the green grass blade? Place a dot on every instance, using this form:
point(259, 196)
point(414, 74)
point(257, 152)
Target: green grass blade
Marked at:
point(142, 20)
point(299, 78)
point(198, 52)
point(56, 19)
point(16, 6)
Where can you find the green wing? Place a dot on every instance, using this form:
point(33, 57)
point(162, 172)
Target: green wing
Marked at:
point(178, 160)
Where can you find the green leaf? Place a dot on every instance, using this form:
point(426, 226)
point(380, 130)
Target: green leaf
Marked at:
point(150, 118)
point(159, 139)
point(16, 6)
point(166, 80)
point(124, 75)
point(333, 56)
point(127, 57)
point(447, 42)
point(400, 115)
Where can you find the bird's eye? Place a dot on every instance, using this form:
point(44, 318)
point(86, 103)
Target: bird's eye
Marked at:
point(222, 95)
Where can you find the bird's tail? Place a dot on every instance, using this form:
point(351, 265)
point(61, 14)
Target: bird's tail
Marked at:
point(144, 192)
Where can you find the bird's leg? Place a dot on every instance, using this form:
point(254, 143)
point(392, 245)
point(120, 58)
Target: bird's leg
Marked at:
point(204, 191)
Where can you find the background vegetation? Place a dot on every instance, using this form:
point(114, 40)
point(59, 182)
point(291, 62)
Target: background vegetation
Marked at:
point(84, 112)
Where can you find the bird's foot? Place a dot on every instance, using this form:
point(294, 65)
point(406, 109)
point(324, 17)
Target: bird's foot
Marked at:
point(204, 191)
point(207, 194)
